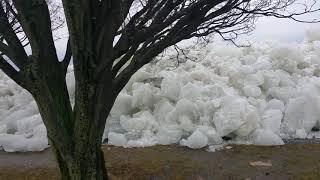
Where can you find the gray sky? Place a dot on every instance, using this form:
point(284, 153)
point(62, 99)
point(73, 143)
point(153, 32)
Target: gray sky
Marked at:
point(267, 28)
point(286, 30)
point(281, 29)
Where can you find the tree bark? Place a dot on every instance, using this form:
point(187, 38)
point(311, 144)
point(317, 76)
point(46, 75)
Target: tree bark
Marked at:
point(77, 160)
point(75, 163)
point(88, 165)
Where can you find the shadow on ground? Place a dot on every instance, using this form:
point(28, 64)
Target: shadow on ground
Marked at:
point(293, 161)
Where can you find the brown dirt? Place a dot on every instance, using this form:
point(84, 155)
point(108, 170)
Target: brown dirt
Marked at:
point(295, 161)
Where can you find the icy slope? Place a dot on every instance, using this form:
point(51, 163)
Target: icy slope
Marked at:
point(255, 95)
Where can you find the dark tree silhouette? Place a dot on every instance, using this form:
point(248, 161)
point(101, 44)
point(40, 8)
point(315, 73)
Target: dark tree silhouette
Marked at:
point(109, 40)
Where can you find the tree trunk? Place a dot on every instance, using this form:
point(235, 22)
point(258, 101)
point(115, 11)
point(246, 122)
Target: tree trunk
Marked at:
point(78, 151)
point(75, 161)
point(88, 165)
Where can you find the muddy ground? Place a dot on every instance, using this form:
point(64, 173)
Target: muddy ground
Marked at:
point(292, 161)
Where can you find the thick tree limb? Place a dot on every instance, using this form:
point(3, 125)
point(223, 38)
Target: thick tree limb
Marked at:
point(35, 20)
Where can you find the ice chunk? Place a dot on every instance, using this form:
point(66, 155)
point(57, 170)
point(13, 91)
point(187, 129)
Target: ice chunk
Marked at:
point(190, 91)
point(196, 141)
point(117, 139)
point(254, 79)
point(211, 149)
point(170, 88)
point(214, 137)
point(271, 79)
point(314, 135)
point(40, 131)
point(186, 124)
point(169, 135)
point(24, 98)
point(236, 113)
point(252, 91)
point(286, 58)
point(122, 105)
point(301, 134)
point(301, 113)
point(155, 81)
point(19, 143)
point(266, 138)
point(21, 113)
point(263, 63)
point(282, 93)
point(215, 91)
point(5, 104)
point(259, 104)
point(214, 148)
point(147, 139)
point(211, 133)
point(200, 75)
point(271, 120)
point(275, 104)
point(142, 96)
point(139, 76)
point(186, 108)
point(139, 122)
point(5, 91)
point(113, 125)
point(294, 115)
point(286, 79)
point(162, 109)
point(251, 120)
point(27, 124)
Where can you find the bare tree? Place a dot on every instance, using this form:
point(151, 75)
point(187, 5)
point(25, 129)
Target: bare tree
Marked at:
point(109, 41)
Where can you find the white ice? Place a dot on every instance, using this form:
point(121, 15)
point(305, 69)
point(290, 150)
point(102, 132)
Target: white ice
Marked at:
point(256, 95)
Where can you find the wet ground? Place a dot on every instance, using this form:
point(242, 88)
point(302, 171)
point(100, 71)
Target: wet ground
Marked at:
point(291, 161)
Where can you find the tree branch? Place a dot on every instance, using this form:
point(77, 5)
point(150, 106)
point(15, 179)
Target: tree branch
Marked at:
point(36, 23)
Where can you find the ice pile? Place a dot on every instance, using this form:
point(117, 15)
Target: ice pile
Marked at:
point(256, 95)
point(21, 127)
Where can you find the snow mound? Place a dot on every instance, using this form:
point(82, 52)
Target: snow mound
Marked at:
point(256, 95)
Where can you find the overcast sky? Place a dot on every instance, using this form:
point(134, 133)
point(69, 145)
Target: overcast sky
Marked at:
point(267, 28)
point(286, 30)
point(281, 29)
